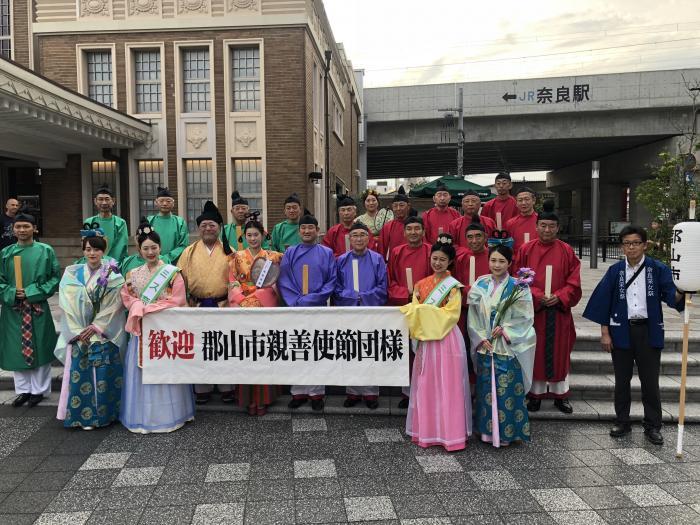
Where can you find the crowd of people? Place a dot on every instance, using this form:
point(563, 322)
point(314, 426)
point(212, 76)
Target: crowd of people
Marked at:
point(488, 297)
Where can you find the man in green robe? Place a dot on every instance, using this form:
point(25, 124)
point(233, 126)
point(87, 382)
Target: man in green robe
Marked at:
point(286, 233)
point(115, 229)
point(172, 229)
point(235, 231)
point(27, 333)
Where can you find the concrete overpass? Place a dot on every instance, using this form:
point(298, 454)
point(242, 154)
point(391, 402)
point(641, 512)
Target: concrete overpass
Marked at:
point(556, 124)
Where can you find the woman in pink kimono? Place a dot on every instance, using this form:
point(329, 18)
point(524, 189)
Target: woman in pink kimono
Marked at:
point(439, 411)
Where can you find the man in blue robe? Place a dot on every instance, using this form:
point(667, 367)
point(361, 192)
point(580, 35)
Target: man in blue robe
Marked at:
point(370, 290)
point(627, 306)
point(321, 285)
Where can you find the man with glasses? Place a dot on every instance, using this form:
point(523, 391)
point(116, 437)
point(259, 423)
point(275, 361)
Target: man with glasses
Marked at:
point(172, 229)
point(627, 306)
point(554, 323)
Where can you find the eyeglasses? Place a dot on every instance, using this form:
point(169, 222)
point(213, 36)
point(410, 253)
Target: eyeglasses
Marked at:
point(629, 244)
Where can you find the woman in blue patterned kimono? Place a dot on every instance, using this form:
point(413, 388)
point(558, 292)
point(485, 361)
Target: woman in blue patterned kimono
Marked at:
point(504, 354)
point(92, 336)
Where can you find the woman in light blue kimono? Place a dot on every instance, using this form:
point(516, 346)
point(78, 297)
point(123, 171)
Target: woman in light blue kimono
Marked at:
point(149, 288)
point(92, 336)
point(504, 354)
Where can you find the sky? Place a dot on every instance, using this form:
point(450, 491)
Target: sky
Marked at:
point(410, 42)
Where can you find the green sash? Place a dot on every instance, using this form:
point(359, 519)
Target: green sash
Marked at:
point(441, 291)
point(158, 283)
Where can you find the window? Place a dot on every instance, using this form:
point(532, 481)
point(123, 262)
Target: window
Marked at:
point(5, 30)
point(198, 178)
point(338, 120)
point(195, 66)
point(103, 173)
point(150, 177)
point(147, 75)
point(248, 181)
point(246, 78)
point(99, 76)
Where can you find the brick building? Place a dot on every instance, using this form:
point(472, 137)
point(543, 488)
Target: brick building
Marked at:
point(211, 96)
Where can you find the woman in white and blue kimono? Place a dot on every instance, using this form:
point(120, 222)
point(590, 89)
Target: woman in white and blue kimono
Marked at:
point(149, 288)
point(501, 385)
point(92, 338)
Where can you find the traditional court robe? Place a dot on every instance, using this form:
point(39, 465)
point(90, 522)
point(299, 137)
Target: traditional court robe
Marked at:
point(335, 239)
point(519, 225)
point(461, 266)
point(174, 236)
point(134, 261)
point(372, 280)
point(284, 235)
point(205, 274)
point(435, 218)
point(322, 280)
point(40, 277)
point(237, 239)
point(402, 257)
point(506, 207)
point(458, 229)
point(554, 326)
point(117, 235)
point(391, 236)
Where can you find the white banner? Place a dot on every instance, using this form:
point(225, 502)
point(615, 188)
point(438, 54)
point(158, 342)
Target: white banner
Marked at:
point(352, 346)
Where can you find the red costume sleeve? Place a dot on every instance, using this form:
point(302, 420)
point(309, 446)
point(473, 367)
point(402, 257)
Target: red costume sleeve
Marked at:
point(570, 293)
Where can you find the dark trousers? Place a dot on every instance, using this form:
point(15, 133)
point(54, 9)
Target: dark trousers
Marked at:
point(648, 361)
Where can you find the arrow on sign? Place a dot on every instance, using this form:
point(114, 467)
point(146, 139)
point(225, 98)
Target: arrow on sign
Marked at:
point(508, 97)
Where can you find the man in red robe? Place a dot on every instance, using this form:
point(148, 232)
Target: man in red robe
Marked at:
point(504, 203)
point(554, 324)
point(392, 234)
point(337, 238)
point(413, 254)
point(437, 220)
point(471, 204)
point(523, 227)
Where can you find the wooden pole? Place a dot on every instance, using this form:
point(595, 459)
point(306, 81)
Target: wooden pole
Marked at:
point(18, 272)
point(305, 280)
point(684, 375)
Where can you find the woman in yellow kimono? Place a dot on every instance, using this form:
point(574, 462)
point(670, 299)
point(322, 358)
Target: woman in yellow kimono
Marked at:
point(439, 410)
point(244, 292)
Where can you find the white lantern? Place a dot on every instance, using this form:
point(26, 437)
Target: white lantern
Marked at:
point(685, 256)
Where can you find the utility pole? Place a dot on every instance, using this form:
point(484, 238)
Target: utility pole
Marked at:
point(595, 207)
point(460, 131)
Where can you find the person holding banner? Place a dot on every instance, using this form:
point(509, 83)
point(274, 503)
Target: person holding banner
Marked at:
point(439, 411)
point(504, 207)
point(286, 233)
point(337, 238)
point(150, 288)
point(115, 229)
point(502, 339)
point(235, 232)
point(92, 338)
point(205, 266)
point(172, 229)
point(437, 220)
point(555, 291)
point(29, 275)
point(471, 204)
point(523, 227)
point(374, 217)
point(392, 234)
point(308, 276)
point(627, 304)
point(361, 282)
point(253, 273)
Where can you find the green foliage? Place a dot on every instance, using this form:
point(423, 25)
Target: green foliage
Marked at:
point(667, 195)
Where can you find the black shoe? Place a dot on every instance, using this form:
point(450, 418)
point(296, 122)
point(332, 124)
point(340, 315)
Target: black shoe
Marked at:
point(21, 400)
point(654, 436)
point(403, 403)
point(619, 430)
point(296, 402)
point(563, 405)
point(35, 399)
point(202, 399)
point(228, 397)
point(350, 402)
point(372, 404)
point(317, 404)
point(533, 404)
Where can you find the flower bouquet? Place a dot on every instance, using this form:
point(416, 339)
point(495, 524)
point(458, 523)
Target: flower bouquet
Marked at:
point(523, 279)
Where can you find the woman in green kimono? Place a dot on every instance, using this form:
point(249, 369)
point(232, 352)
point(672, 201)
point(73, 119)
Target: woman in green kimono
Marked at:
point(92, 336)
point(503, 350)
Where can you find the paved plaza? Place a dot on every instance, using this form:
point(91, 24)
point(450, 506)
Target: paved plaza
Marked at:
point(282, 468)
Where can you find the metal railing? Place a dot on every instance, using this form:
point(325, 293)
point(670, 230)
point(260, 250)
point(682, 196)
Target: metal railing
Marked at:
point(608, 247)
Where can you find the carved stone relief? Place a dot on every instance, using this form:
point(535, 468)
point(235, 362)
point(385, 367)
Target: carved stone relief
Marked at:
point(192, 6)
point(246, 137)
point(144, 7)
point(94, 8)
point(196, 135)
point(237, 5)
